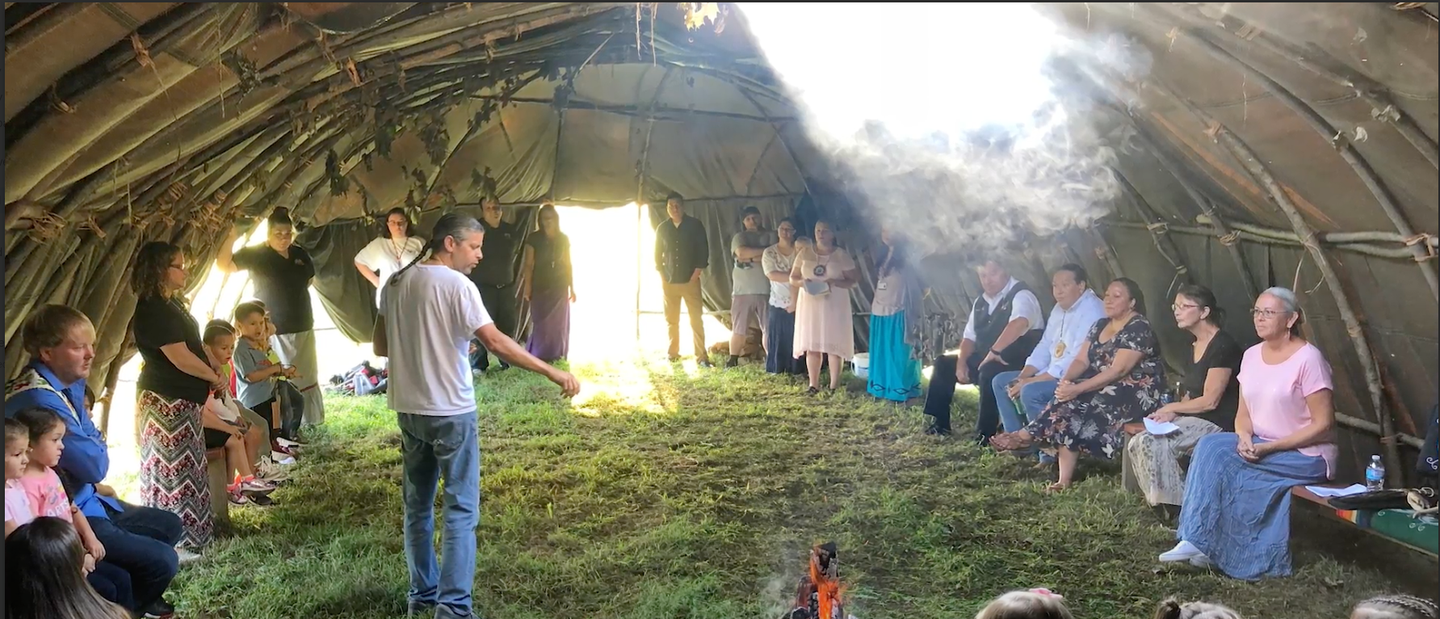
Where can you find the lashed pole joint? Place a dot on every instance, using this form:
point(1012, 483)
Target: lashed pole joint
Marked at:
point(1308, 238)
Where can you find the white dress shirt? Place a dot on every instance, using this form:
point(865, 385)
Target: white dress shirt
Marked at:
point(1025, 305)
point(1067, 327)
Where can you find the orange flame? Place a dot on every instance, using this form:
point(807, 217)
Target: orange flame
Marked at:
point(827, 589)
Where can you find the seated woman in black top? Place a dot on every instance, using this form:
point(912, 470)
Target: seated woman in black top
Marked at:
point(1208, 394)
point(174, 384)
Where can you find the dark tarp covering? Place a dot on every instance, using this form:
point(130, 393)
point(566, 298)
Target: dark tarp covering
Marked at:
point(349, 298)
point(229, 111)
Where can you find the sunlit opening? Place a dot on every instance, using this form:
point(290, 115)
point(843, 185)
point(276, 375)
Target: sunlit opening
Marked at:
point(918, 68)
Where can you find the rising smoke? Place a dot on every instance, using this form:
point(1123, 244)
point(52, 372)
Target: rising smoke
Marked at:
point(948, 122)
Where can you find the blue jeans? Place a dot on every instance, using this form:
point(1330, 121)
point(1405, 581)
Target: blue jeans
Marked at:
point(432, 448)
point(141, 541)
point(1033, 397)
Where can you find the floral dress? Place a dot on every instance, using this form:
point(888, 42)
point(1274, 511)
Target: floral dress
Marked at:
point(1091, 423)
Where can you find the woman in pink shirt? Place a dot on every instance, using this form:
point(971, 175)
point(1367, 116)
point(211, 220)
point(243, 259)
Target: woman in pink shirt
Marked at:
point(1236, 510)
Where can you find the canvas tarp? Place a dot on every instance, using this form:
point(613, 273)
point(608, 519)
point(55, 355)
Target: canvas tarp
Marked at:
point(215, 112)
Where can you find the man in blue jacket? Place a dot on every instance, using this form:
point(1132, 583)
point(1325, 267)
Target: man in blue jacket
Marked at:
point(61, 343)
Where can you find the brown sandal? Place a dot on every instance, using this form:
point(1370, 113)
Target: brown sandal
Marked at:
point(1009, 441)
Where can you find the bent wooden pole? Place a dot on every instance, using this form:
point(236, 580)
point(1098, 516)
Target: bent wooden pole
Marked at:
point(1347, 152)
point(1383, 108)
point(1257, 169)
point(1159, 232)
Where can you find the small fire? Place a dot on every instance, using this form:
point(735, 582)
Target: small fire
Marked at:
point(819, 594)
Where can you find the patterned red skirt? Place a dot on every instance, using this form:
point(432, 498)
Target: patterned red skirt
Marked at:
point(172, 464)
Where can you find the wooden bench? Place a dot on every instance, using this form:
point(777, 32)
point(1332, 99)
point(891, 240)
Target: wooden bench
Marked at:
point(219, 473)
point(1359, 518)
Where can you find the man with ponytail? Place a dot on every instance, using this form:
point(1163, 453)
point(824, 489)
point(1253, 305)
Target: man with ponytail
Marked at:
point(431, 311)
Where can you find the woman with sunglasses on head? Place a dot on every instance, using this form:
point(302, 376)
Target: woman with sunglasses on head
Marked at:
point(1236, 510)
point(174, 384)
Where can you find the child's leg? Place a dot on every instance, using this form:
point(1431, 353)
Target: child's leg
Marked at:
point(236, 456)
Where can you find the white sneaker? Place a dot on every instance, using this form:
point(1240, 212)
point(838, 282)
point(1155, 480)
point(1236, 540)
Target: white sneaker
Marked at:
point(285, 442)
point(282, 459)
point(1184, 551)
point(270, 472)
point(186, 556)
point(1202, 561)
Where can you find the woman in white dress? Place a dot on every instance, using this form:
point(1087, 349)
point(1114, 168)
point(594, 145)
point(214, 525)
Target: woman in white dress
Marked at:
point(395, 248)
point(824, 324)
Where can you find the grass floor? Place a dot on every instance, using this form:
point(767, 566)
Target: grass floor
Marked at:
point(664, 492)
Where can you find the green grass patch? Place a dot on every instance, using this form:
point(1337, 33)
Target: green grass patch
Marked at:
point(664, 495)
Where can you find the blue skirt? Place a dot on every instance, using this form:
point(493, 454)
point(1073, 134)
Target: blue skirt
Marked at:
point(1238, 512)
point(894, 374)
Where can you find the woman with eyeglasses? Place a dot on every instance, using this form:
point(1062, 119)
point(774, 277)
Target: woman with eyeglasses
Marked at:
point(1206, 404)
point(1236, 510)
point(1117, 377)
point(174, 384)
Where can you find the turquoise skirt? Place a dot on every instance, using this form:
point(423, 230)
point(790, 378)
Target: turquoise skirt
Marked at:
point(894, 374)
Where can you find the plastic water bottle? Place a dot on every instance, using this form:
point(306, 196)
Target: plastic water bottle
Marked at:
point(1375, 475)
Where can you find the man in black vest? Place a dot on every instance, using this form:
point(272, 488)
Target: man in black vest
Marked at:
point(495, 277)
point(1004, 326)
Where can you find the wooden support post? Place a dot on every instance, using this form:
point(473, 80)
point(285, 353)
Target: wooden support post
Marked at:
point(1258, 170)
point(1347, 151)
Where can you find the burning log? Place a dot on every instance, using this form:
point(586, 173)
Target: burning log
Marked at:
point(818, 595)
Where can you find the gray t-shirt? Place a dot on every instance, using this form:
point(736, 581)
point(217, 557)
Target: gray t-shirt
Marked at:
point(749, 277)
point(248, 359)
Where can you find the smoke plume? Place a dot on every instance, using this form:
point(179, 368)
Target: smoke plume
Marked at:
point(948, 122)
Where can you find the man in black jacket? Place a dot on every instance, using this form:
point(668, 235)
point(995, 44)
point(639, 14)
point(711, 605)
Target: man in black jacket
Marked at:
point(495, 277)
point(681, 254)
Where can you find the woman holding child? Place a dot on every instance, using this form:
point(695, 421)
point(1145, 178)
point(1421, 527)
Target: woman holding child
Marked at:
point(174, 384)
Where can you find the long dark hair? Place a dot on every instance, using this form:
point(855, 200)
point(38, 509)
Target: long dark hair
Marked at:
point(899, 253)
point(450, 226)
point(1134, 290)
point(38, 421)
point(43, 575)
point(385, 223)
point(152, 264)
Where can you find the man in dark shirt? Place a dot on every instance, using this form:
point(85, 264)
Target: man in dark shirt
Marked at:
point(681, 254)
point(495, 277)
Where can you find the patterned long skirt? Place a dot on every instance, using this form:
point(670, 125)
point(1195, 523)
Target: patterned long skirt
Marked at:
point(172, 464)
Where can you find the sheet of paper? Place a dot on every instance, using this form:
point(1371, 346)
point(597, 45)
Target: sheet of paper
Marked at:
point(1322, 491)
point(1160, 429)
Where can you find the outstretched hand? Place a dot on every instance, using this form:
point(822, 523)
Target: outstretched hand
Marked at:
point(569, 386)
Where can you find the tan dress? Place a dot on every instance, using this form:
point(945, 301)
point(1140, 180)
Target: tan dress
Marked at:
point(823, 323)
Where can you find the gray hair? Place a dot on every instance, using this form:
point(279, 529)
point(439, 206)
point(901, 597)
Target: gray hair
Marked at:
point(450, 225)
point(1287, 298)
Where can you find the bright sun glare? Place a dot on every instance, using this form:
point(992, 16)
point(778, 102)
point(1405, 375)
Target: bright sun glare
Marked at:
point(919, 68)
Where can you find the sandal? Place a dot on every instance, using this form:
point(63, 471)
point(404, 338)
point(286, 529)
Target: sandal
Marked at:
point(1009, 441)
point(812, 391)
point(1056, 487)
